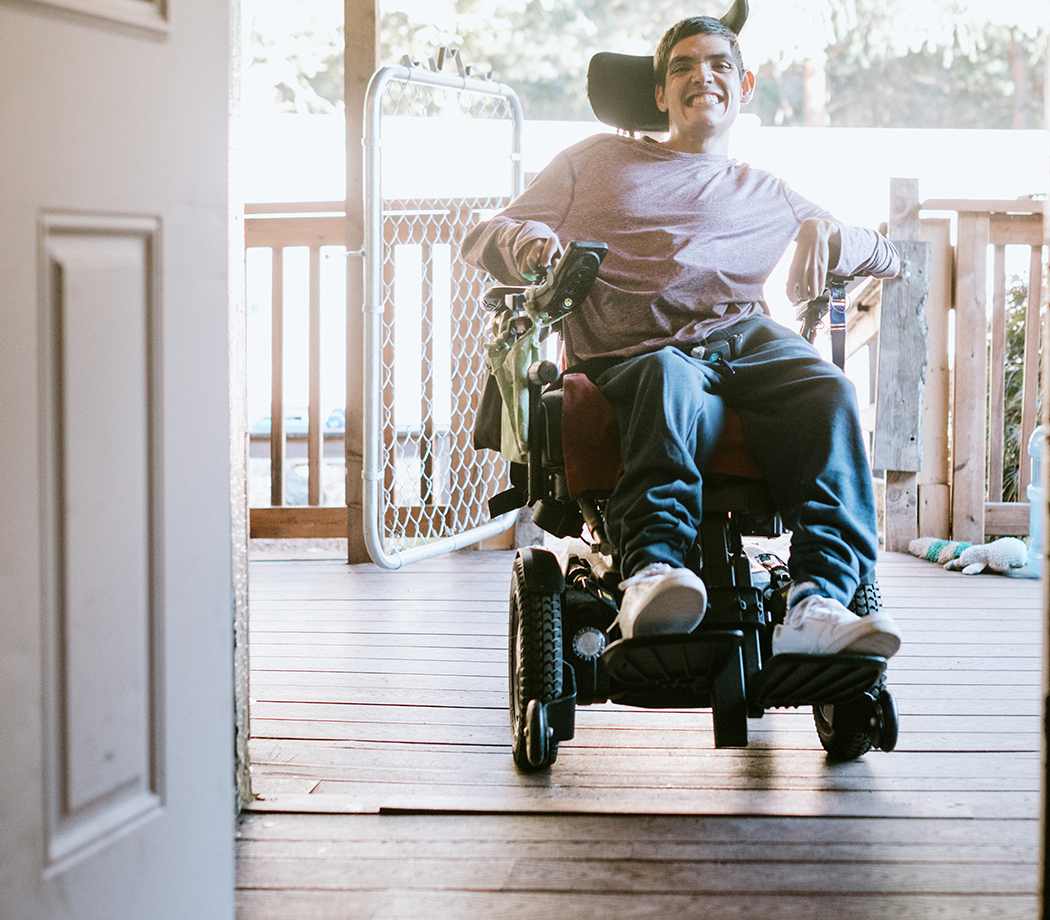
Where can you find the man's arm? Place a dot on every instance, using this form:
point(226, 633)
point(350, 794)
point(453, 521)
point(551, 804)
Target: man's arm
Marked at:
point(824, 246)
point(512, 251)
point(817, 247)
point(521, 239)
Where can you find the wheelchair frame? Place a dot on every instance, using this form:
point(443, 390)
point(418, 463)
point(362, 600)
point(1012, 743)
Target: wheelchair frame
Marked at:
point(564, 647)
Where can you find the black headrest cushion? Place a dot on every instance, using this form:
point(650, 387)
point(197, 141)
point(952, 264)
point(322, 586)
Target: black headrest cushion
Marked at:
point(622, 92)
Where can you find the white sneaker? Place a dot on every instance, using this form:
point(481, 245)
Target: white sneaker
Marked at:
point(821, 626)
point(661, 600)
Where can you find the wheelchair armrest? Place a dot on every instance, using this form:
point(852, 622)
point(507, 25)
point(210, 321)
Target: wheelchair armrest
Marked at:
point(552, 400)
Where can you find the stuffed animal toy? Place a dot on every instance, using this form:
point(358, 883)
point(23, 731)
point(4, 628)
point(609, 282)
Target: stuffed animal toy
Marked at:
point(1007, 554)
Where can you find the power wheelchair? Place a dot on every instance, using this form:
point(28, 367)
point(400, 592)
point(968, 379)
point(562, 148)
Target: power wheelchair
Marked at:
point(565, 648)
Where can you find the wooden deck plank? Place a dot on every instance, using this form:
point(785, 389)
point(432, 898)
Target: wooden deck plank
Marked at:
point(754, 762)
point(645, 830)
point(679, 851)
point(303, 904)
point(635, 874)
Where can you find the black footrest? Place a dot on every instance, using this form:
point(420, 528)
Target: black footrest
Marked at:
point(802, 680)
point(664, 672)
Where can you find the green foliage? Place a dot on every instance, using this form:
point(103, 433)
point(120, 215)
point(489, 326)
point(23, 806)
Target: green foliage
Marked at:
point(939, 87)
point(888, 63)
point(293, 56)
point(1016, 311)
point(542, 47)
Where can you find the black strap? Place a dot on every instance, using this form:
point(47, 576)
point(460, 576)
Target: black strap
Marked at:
point(517, 496)
point(837, 304)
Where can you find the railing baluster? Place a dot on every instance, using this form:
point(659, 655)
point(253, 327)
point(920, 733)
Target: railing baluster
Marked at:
point(314, 436)
point(277, 378)
point(1030, 386)
point(971, 375)
point(997, 381)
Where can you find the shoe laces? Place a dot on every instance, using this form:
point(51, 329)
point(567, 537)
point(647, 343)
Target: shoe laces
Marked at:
point(650, 572)
point(814, 607)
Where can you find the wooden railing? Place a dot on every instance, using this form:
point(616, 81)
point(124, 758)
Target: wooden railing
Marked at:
point(955, 486)
point(955, 489)
point(433, 483)
point(275, 227)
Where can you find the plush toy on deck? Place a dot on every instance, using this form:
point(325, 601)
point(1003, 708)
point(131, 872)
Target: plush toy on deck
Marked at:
point(1003, 555)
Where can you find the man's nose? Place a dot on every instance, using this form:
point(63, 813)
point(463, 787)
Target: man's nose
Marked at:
point(702, 74)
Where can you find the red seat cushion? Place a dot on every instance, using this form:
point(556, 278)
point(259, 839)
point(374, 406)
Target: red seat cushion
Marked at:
point(591, 441)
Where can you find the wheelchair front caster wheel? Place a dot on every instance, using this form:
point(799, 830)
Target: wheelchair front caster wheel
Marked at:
point(849, 730)
point(845, 729)
point(888, 721)
point(839, 742)
point(538, 736)
point(535, 658)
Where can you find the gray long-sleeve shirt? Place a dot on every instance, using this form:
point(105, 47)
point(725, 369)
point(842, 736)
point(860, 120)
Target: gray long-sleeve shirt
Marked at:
point(692, 239)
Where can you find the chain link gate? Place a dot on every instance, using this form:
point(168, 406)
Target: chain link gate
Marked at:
point(440, 152)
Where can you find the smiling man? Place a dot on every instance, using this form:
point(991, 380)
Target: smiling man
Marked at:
point(693, 235)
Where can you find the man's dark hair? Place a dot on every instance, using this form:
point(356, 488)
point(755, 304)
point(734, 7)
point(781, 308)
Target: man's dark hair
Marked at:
point(687, 28)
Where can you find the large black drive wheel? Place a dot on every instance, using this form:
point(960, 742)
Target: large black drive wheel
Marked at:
point(866, 600)
point(535, 660)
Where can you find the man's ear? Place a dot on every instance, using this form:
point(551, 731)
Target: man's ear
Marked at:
point(747, 87)
point(661, 98)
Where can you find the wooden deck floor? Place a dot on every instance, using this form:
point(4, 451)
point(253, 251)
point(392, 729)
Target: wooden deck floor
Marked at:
point(386, 788)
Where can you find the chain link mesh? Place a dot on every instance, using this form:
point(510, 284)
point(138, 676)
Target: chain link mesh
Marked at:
point(435, 485)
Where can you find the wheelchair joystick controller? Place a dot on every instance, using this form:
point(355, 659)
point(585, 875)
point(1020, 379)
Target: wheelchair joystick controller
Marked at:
point(568, 282)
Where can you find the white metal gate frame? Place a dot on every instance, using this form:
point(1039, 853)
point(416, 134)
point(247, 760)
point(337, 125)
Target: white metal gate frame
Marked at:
point(386, 546)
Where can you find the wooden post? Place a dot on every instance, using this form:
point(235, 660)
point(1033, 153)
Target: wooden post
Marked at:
point(935, 476)
point(361, 28)
point(903, 346)
point(898, 447)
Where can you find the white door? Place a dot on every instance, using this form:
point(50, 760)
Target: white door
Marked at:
point(116, 700)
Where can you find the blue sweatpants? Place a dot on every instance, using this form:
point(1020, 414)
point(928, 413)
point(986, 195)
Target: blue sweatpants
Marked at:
point(800, 416)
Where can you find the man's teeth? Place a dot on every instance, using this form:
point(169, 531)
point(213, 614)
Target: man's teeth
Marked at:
point(704, 99)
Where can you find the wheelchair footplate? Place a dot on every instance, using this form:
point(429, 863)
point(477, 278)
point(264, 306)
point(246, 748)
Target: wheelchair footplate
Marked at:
point(803, 680)
point(674, 671)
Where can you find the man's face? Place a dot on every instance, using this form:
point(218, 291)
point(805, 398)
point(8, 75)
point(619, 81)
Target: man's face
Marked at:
point(703, 92)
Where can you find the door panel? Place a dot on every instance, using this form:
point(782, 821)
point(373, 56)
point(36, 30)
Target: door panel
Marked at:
point(116, 699)
point(102, 673)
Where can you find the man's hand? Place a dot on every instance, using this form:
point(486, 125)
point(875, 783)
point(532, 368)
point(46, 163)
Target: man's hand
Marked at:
point(816, 250)
point(537, 257)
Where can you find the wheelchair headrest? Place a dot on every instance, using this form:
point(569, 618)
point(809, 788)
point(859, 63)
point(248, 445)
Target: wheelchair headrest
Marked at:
point(622, 87)
point(622, 92)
